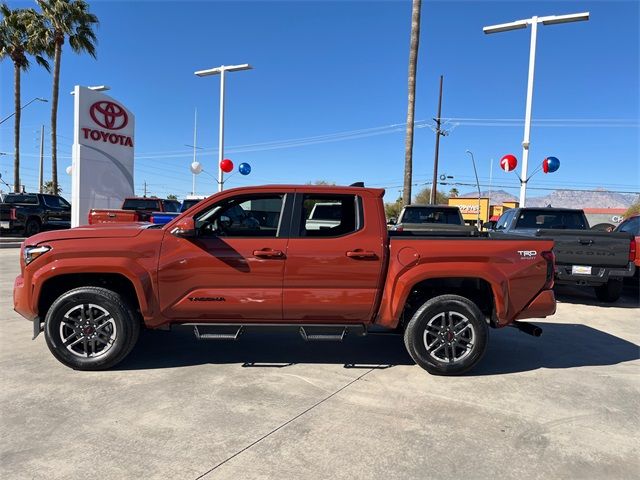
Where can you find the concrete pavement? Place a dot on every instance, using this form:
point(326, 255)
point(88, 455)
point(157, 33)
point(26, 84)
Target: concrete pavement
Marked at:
point(565, 405)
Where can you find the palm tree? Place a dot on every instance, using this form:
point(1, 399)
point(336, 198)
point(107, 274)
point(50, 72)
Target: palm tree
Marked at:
point(413, 64)
point(20, 35)
point(65, 19)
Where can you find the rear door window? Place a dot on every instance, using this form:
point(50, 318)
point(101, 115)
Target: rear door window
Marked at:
point(328, 215)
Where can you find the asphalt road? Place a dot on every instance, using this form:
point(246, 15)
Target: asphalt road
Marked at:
point(565, 405)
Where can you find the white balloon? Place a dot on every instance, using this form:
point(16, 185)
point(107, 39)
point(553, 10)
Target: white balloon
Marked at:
point(196, 168)
point(69, 169)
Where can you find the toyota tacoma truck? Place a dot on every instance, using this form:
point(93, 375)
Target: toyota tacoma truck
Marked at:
point(584, 257)
point(251, 258)
point(134, 209)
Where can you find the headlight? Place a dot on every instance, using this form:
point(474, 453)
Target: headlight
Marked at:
point(31, 253)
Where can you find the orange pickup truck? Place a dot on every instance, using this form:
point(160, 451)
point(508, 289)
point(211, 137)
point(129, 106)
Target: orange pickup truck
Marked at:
point(250, 258)
point(134, 209)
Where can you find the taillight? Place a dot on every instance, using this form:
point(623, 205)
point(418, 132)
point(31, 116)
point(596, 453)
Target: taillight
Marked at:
point(137, 217)
point(152, 219)
point(90, 218)
point(12, 214)
point(632, 250)
point(550, 257)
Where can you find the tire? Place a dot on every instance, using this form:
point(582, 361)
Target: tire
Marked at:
point(93, 342)
point(32, 227)
point(444, 319)
point(610, 291)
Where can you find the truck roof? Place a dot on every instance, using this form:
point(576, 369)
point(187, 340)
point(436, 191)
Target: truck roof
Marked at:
point(552, 209)
point(378, 192)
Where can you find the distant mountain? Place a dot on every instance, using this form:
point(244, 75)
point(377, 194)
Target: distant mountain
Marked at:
point(566, 199)
point(498, 197)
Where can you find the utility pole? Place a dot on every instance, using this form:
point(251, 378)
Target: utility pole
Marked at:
point(145, 188)
point(195, 137)
point(40, 179)
point(439, 132)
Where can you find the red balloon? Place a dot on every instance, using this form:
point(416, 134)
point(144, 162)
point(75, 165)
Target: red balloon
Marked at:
point(226, 165)
point(508, 163)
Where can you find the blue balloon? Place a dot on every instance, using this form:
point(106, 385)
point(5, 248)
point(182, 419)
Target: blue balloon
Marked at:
point(550, 164)
point(244, 169)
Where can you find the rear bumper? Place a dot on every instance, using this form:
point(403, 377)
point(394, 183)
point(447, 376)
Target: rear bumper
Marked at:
point(599, 275)
point(22, 298)
point(11, 224)
point(541, 306)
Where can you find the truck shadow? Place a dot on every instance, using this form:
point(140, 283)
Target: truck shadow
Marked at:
point(510, 351)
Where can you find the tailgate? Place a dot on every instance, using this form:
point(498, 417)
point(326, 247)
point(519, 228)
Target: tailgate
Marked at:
point(587, 247)
point(113, 216)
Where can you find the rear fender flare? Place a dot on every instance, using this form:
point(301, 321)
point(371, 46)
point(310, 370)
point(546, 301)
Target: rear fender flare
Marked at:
point(397, 293)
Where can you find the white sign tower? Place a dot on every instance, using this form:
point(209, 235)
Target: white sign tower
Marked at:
point(103, 142)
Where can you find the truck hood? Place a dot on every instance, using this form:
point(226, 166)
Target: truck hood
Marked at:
point(104, 230)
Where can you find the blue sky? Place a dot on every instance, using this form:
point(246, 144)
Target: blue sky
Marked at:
point(323, 68)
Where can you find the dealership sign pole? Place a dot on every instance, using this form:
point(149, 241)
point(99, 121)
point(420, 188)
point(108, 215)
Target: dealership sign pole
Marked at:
point(102, 165)
point(221, 71)
point(533, 21)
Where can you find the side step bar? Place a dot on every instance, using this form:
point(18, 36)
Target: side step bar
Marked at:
point(319, 336)
point(309, 333)
point(206, 332)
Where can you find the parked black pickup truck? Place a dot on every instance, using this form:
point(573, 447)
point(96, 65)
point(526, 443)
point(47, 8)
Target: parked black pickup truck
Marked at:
point(29, 213)
point(430, 218)
point(583, 257)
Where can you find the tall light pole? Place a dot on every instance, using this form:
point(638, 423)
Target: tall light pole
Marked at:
point(518, 24)
point(221, 70)
point(473, 161)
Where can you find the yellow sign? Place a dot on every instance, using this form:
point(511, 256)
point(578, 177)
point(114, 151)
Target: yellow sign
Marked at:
point(469, 207)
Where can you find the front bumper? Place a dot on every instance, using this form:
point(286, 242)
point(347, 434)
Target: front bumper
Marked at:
point(22, 298)
point(599, 275)
point(541, 306)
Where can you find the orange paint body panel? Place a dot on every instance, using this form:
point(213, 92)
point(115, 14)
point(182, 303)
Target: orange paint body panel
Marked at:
point(363, 277)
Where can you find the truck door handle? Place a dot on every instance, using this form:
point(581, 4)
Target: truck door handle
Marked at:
point(585, 241)
point(359, 253)
point(268, 253)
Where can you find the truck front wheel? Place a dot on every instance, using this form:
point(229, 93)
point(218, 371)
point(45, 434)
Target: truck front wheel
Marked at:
point(447, 335)
point(90, 328)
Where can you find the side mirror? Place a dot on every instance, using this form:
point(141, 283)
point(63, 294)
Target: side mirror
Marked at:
point(186, 228)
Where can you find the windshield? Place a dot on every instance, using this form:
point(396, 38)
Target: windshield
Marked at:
point(187, 204)
point(172, 206)
point(140, 204)
point(558, 219)
point(29, 199)
point(431, 215)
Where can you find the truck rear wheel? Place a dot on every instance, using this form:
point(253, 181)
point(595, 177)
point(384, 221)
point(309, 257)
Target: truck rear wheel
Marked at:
point(90, 328)
point(447, 335)
point(610, 291)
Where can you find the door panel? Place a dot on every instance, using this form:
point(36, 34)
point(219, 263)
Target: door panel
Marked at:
point(333, 279)
point(232, 269)
point(221, 279)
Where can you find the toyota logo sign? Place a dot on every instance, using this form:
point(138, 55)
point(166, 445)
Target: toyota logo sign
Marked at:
point(109, 115)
